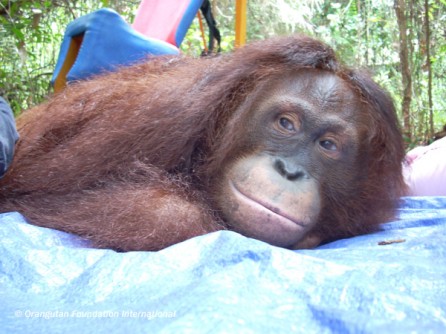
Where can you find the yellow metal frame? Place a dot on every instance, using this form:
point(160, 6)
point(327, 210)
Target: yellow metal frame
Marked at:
point(240, 22)
point(70, 58)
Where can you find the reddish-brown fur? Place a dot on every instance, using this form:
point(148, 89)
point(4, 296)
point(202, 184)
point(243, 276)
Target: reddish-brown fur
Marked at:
point(128, 159)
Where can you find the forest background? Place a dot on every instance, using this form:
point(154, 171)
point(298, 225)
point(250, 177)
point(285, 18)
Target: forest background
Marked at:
point(401, 42)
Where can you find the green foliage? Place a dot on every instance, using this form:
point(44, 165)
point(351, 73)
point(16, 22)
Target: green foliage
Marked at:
point(30, 36)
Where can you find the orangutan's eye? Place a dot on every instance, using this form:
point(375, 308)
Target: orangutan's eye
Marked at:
point(328, 145)
point(286, 124)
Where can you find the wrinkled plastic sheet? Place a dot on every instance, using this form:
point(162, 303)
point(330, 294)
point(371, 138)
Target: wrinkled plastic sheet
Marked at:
point(52, 282)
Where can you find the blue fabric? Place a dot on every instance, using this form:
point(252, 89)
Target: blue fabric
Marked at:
point(108, 42)
point(8, 136)
point(51, 282)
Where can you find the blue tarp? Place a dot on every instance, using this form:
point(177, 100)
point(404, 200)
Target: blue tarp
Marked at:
point(52, 282)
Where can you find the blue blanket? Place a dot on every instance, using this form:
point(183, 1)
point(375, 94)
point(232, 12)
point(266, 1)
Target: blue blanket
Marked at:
point(393, 281)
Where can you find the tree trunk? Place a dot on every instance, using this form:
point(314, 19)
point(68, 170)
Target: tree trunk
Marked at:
point(429, 67)
point(363, 31)
point(400, 10)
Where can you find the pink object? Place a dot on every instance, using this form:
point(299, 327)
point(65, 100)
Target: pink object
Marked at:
point(166, 20)
point(425, 172)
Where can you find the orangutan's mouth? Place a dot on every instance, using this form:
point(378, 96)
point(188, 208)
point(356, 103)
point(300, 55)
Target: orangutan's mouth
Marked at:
point(264, 207)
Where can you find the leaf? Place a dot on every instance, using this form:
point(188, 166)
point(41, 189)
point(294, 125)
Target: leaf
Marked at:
point(18, 33)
